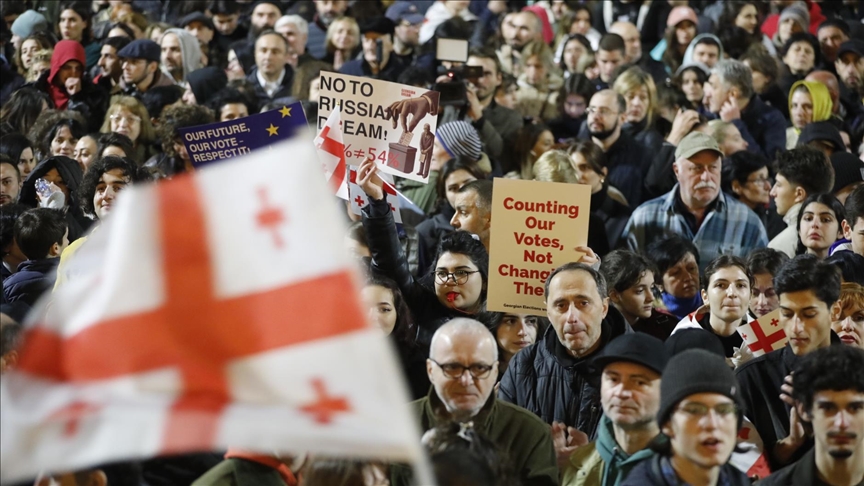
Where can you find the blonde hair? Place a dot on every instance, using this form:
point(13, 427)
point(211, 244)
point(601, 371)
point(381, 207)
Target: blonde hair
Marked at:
point(634, 78)
point(136, 19)
point(717, 130)
point(41, 56)
point(541, 51)
point(331, 31)
point(132, 105)
point(554, 166)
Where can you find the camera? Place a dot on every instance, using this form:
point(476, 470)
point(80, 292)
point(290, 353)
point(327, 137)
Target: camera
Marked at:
point(455, 91)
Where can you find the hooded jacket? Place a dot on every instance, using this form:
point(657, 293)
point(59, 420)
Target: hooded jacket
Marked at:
point(72, 175)
point(601, 462)
point(688, 54)
point(190, 50)
point(822, 107)
point(64, 51)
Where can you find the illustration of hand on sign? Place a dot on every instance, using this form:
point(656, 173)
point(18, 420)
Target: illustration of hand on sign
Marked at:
point(402, 155)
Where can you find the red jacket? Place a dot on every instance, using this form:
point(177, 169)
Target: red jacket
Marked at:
point(769, 27)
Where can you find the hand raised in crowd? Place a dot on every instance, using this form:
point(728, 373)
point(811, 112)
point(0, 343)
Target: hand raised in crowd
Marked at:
point(730, 110)
point(368, 180)
point(418, 108)
point(73, 85)
point(683, 123)
point(566, 440)
point(475, 109)
point(588, 256)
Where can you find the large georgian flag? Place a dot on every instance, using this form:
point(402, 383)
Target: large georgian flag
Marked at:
point(214, 310)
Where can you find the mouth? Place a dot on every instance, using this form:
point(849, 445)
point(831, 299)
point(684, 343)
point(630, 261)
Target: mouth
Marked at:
point(712, 444)
point(798, 341)
point(814, 236)
point(451, 296)
point(523, 344)
point(849, 338)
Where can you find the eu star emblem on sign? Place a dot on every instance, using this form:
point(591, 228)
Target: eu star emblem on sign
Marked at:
point(206, 144)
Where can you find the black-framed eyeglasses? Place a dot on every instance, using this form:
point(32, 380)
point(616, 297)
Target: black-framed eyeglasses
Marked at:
point(456, 370)
point(699, 410)
point(459, 276)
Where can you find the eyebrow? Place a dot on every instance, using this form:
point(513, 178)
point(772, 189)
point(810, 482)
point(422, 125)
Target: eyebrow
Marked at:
point(460, 267)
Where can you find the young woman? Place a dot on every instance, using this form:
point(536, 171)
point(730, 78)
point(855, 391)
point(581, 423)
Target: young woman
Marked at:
point(75, 24)
point(538, 83)
point(819, 224)
point(575, 55)
point(746, 16)
point(86, 150)
point(747, 177)
point(342, 41)
point(638, 89)
point(513, 332)
point(573, 99)
point(809, 102)
point(532, 141)
point(57, 132)
point(24, 107)
point(35, 42)
point(677, 274)
point(681, 29)
point(607, 202)
point(691, 79)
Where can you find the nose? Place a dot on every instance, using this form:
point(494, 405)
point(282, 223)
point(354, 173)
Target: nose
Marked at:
point(465, 378)
point(523, 330)
point(761, 299)
point(847, 325)
point(797, 324)
point(454, 221)
point(841, 420)
point(711, 419)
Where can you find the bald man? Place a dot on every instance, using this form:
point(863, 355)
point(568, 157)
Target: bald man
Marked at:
point(463, 368)
point(518, 30)
point(633, 53)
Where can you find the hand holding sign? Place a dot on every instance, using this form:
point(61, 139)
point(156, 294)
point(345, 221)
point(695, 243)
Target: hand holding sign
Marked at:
point(418, 108)
point(368, 180)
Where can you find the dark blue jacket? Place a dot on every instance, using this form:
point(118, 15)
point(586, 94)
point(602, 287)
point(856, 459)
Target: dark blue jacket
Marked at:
point(32, 279)
point(657, 471)
point(763, 127)
point(361, 67)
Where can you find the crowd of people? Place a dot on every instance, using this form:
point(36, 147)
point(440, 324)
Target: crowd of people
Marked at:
point(721, 140)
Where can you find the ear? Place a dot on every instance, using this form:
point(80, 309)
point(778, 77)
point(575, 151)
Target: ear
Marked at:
point(605, 306)
point(847, 230)
point(736, 187)
point(675, 168)
point(614, 296)
point(704, 294)
point(667, 430)
point(54, 251)
point(429, 365)
point(836, 311)
point(803, 414)
point(800, 194)
point(97, 478)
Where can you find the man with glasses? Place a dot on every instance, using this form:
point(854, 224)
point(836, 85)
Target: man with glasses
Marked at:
point(463, 367)
point(625, 158)
point(700, 412)
point(696, 208)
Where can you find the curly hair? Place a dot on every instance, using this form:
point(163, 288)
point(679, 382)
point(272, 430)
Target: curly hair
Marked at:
point(91, 179)
point(180, 117)
point(835, 368)
point(49, 122)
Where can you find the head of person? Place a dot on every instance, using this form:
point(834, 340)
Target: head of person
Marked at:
point(116, 144)
point(829, 394)
point(374, 32)
point(20, 151)
point(10, 338)
point(10, 181)
point(462, 366)
point(576, 304)
point(230, 104)
point(110, 64)
point(33, 43)
point(681, 28)
point(554, 166)
point(139, 61)
point(801, 53)
point(532, 141)
point(103, 182)
point(42, 233)
point(847, 174)
point(271, 53)
point(800, 172)
point(638, 89)
point(514, 332)
point(794, 19)
point(746, 176)
point(808, 288)
point(86, 150)
point(632, 40)
point(387, 309)
point(408, 20)
point(741, 14)
point(295, 30)
point(847, 315)
point(457, 139)
point(486, 84)
point(697, 168)
point(764, 264)
point(537, 63)
point(204, 85)
point(589, 164)
point(700, 409)
point(851, 266)
point(180, 53)
point(176, 117)
point(67, 61)
point(524, 27)
point(631, 366)
point(199, 25)
point(574, 95)
point(264, 16)
point(74, 21)
point(764, 70)
point(729, 79)
point(226, 16)
point(630, 283)
point(691, 79)
point(809, 102)
point(61, 137)
point(576, 47)
point(707, 50)
point(728, 137)
point(128, 116)
point(505, 95)
point(819, 224)
point(473, 205)
point(26, 24)
point(583, 19)
point(343, 34)
point(853, 224)
point(831, 34)
point(607, 112)
point(677, 269)
point(850, 64)
point(123, 29)
point(727, 290)
point(329, 10)
point(611, 54)
point(461, 271)
point(456, 173)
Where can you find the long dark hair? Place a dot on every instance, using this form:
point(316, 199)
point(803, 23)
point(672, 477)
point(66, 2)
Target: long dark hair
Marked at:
point(19, 114)
point(451, 166)
point(404, 332)
point(826, 199)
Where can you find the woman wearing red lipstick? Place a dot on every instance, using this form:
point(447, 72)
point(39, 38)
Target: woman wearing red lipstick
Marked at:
point(819, 224)
point(847, 315)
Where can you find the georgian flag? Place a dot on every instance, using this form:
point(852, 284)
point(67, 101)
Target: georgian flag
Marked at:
point(331, 153)
point(764, 334)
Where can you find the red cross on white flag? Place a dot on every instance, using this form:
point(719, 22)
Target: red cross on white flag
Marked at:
point(216, 310)
point(764, 334)
point(331, 153)
point(749, 456)
point(359, 200)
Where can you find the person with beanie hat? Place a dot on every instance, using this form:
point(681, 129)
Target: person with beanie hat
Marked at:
point(823, 136)
point(848, 174)
point(793, 19)
point(631, 367)
point(700, 413)
point(204, 83)
point(460, 139)
point(26, 24)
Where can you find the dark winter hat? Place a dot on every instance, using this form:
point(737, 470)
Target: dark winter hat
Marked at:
point(206, 82)
point(379, 25)
point(638, 347)
point(695, 371)
point(848, 169)
point(141, 49)
point(686, 339)
point(854, 46)
point(197, 17)
point(460, 138)
point(823, 131)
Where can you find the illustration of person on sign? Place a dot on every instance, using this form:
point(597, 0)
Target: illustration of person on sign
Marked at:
point(427, 142)
point(402, 155)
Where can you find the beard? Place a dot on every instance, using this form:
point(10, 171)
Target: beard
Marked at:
point(604, 134)
point(841, 454)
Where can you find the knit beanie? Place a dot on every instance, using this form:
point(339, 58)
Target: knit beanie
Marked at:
point(459, 138)
point(206, 82)
point(798, 12)
point(29, 22)
point(695, 371)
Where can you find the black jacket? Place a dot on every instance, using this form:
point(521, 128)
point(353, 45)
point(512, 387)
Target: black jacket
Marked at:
point(71, 174)
point(763, 127)
point(32, 279)
point(613, 214)
point(283, 92)
point(627, 161)
point(801, 473)
point(544, 379)
point(91, 101)
point(657, 471)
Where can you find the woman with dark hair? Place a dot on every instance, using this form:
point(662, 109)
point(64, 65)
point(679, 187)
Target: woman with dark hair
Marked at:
point(573, 99)
point(20, 113)
point(118, 145)
point(63, 174)
point(677, 274)
point(575, 55)
point(74, 24)
point(19, 149)
point(819, 224)
point(800, 54)
point(681, 28)
point(766, 74)
point(57, 132)
point(691, 79)
point(743, 20)
point(607, 202)
point(746, 176)
point(513, 332)
point(532, 141)
point(455, 287)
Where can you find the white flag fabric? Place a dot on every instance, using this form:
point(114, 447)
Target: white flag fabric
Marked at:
point(359, 200)
point(764, 334)
point(216, 310)
point(331, 152)
point(749, 456)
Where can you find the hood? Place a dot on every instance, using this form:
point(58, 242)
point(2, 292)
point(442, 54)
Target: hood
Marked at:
point(189, 48)
point(206, 82)
point(69, 170)
point(616, 463)
point(688, 54)
point(822, 104)
point(65, 51)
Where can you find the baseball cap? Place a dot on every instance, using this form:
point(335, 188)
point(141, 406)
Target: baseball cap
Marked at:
point(406, 11)
point(694, 143)
point(680, 14)
point(141, 49)
point(638, 347)
point(854, 45)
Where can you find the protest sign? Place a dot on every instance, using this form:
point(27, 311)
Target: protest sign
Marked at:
point(395, 123)
point(537, 226)
point(217, 141)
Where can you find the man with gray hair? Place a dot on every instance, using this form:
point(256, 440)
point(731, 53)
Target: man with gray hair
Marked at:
point(729, 95)
point(463, 368)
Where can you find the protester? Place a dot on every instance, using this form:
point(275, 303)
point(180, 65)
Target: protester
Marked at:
point(42, 236)
point(819, 224)
point(847, 315)
point(764, 264)
point(677, 274)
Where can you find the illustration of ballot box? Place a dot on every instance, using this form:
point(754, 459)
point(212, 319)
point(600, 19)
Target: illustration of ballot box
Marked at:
point(401, 157)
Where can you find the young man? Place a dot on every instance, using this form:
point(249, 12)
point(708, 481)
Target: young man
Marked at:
point(727, 298)
point(829, 394)
point(630, 396)
point(10, 181)
point(807, 288)
point(42, 235)
point(764, 264)
point(700, 414)
point(853, 225)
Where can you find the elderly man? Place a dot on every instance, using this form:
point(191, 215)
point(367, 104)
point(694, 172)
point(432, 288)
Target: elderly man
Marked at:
point(729, 95)
point(463, 366)
point(630, 395)
point(697, 209)
point(554, 377)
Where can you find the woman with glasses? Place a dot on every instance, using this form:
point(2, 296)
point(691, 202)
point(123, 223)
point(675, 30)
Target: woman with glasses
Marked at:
point(457, 284)
point(128, 116)
point(747, 178)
